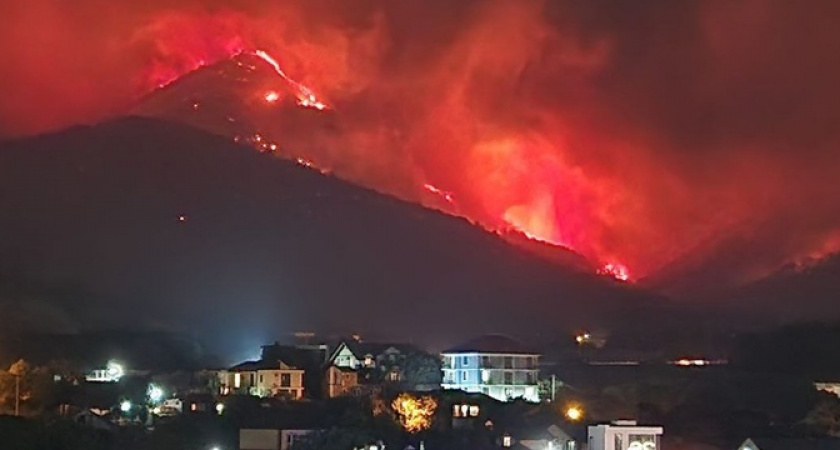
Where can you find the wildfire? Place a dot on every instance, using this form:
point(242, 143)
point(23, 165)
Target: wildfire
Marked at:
point(305, 96)
point(271, 96)
point(415, 413)
point(439, 192)
point(615, 270)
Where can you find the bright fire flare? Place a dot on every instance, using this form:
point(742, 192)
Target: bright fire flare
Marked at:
point(615, 270)
point(272, 96)
point(439, 192)
point(305, 96)
point(415, 412)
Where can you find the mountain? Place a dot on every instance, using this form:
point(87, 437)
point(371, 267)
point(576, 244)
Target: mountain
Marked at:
point(795, 293)
point(249, 99)
point(166, 226)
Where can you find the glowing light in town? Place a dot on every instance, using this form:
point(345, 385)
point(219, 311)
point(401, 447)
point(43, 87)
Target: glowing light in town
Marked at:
point(115, 370)
point(155, 393)
point(574, 413)
point(415, 413)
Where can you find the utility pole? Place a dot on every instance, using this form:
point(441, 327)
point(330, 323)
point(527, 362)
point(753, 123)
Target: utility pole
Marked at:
point(17, 395)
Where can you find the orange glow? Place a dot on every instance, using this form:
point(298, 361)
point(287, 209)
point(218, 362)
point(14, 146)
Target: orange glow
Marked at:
point(415, 413)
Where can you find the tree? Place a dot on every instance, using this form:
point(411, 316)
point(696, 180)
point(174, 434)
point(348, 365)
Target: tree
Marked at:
point(421, 371)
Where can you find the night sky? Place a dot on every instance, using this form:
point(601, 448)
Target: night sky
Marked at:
point(687, 142)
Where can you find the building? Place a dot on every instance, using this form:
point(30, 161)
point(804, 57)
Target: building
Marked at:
point(340, 381)
point(624, 435)
point(309, 358)
point(263, 378)
point(382, 364)
point(826, 443)
point(271, 439)
point(369, 355)
point(494, 365)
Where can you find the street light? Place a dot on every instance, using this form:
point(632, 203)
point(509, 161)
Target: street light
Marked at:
point(155, 393)
point(125, 406)
point(574, 413)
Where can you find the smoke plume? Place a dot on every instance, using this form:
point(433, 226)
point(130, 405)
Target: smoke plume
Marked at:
point(660, 136)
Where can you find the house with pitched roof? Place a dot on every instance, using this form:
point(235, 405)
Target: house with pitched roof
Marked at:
point(280, 373)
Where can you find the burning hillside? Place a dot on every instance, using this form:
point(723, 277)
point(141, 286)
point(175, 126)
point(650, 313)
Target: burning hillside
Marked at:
point(648, 139)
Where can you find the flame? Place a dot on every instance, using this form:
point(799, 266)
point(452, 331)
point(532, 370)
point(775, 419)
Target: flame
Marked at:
point(305, 96)
point(615, 270)
point(439, 192)
point(271, 96)
point(415, 413)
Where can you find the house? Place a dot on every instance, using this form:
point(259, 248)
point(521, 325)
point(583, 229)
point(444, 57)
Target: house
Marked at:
point(790, 444)
point(494, 365)
point(624, 435)
point(263, 378)
point(552, 437)
point(340, 381)
point(271, 439)
point(309, 358)
point(368, 355)
point(378, 364)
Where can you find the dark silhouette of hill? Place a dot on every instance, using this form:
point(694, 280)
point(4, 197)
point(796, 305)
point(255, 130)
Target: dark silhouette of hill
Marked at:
point(795, 293)
point(167, 227)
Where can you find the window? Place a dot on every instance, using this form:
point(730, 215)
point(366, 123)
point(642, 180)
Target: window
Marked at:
point(485, 361)
point(463, 375)
point(506, 441)
point(237, 380)
point(261, 378)
point(508, 362)
point(286, 380)
point(393, 376)
point(465, 361)
point(508, 377)
point(643, 441)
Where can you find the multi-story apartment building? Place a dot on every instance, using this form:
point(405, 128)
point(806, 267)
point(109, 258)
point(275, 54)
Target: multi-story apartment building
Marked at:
point(497, 366)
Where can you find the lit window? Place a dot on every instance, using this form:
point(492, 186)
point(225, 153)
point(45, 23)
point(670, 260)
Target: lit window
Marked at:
point(474, 411)
point(506, 441)
point(456, 410)
point(237, 380)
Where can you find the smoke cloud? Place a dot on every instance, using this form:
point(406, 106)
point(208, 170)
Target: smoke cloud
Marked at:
point(673, 138)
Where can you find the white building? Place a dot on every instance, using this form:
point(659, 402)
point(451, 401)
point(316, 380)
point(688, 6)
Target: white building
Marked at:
point(497, 366)
point(624, 435)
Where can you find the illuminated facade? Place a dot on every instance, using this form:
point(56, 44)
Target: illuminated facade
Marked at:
point(496, 366)
point(263, 379)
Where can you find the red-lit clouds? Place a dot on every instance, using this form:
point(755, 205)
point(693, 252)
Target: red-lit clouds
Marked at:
point(663, 137)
